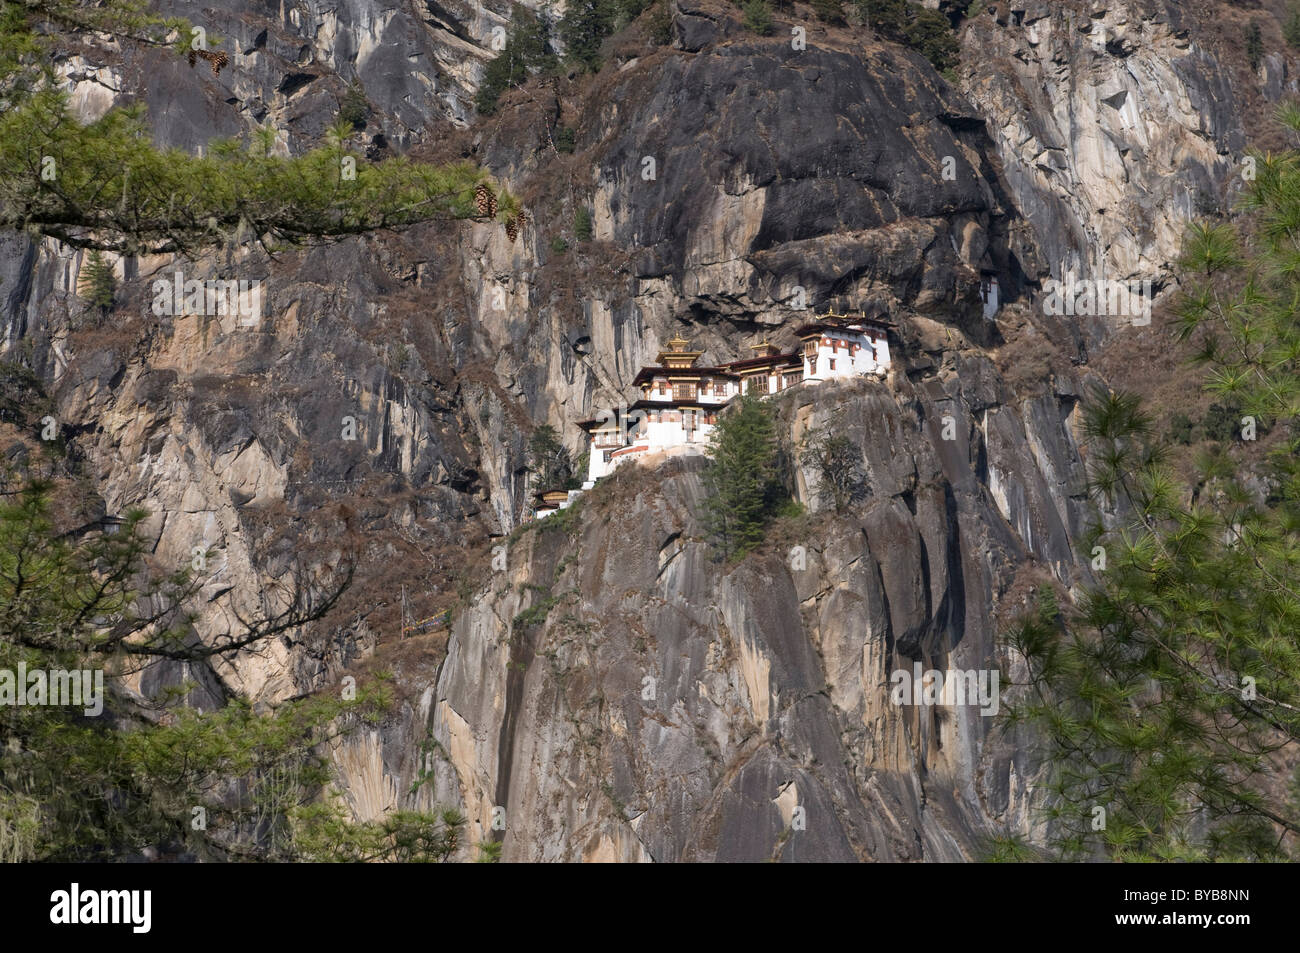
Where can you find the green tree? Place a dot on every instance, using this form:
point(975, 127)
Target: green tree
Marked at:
point(888, 17)
point(829, 11)
point(583, 29)
point(1181, 429)
point(582, 224)
point(527, 52)
point(742, 482)
point(926, 31)
point(625, 11)
point(105, 184)
point(98, 285)
point(758, 16)
point(152, 773)
point(1222, 422)
point(1169, 693)
point(1254, 46)
point(660, 23)
point(1291, 28)
point(323, 833)
point(930, 34)
point(354, 109)
point(837, 461)
point(549, 461)
point(77, 784)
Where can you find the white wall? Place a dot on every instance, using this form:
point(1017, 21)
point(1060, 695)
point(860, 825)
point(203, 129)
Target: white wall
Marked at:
point(597, 447)
point(882, 351)
point(989, 291)
point(865, 360)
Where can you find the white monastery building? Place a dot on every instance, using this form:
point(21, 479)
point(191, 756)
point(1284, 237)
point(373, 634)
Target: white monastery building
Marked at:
point(679, 400)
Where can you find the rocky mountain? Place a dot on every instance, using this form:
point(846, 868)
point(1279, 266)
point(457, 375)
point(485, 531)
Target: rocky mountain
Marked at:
point(607, 691)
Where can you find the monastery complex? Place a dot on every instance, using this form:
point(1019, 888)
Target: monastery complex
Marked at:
point(679, 400)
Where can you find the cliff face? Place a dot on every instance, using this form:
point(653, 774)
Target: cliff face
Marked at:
point(821, 170)
point(607, 691)
point(670, 709)
point(1114, 123)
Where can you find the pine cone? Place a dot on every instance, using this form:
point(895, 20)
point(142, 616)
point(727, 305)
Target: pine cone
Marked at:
point(483, 199)
point(217, 61)
point(512, 229)
point(492, 205)
point(523, 218)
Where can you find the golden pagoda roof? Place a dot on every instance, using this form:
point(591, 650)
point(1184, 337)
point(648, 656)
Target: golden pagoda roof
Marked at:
point(675, 355)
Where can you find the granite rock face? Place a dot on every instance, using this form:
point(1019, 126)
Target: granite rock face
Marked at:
point(671, 708)
point(612, 693)
point(1114, 124)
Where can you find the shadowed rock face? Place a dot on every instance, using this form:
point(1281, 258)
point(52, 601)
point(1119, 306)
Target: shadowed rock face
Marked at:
point(751, 169)
point(825, 170)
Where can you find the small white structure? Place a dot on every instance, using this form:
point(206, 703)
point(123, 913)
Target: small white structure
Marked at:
point(552, 501)
point(680, 400)
point(832, 349)
point(989, 295)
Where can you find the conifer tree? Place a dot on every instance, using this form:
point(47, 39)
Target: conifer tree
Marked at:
point(582, 227)
point(583, 28)
point(549, 460)
point(98, 284)
point(527, 52)
point(758, 16)
point(743, 479)
point(1291, 27)
point(105, 185)
point(1254, 45)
